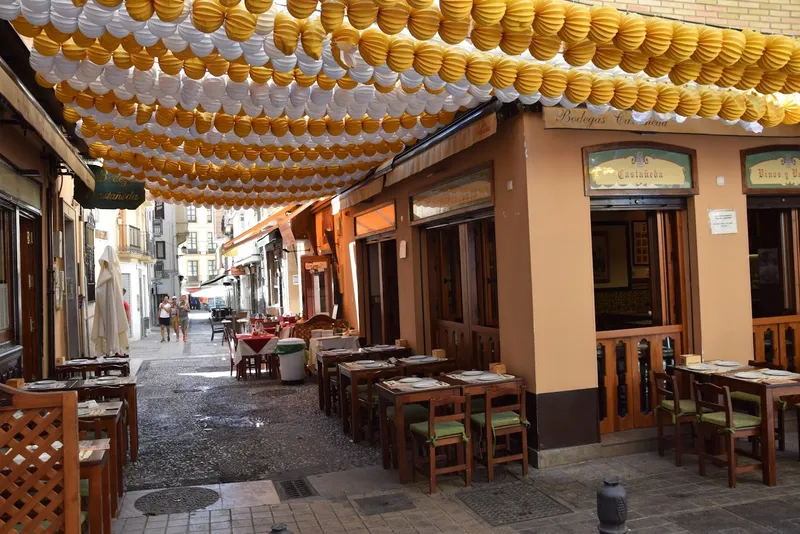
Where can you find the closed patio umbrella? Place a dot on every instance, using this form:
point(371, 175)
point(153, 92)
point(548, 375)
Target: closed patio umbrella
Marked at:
point(110, 328)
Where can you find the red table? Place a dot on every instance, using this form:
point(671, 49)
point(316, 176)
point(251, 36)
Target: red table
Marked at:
point(250, 346)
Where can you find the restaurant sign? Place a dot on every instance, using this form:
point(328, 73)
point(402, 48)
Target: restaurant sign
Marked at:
point(772, 170)
point(647, 168)
point(111, 191)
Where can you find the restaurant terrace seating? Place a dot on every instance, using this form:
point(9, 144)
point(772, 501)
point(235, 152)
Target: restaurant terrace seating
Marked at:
point(442, 431)
point(718, 419)
point(672, 409)
point(752, 404)
point(40, 493)
point(504, 416)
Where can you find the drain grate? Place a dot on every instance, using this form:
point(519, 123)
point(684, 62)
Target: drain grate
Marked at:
point(298, 488)
point(176, 501)
point(510, 503)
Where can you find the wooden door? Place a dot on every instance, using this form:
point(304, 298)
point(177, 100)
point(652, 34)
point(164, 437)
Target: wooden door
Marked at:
point(317, 285)
point(30, 253)
point(462, 295)
point(381, 293)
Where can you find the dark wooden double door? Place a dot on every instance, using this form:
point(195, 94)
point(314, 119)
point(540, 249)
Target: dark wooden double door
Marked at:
point(460, 266)
point(382, 306)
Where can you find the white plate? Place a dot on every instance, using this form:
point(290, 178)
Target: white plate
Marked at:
point(106, 379)
point(39, 386)
point(700, 367)
point(410, 380)
point(725, 363)
point(384, 346)
point(44, 382)
point(337, 350)
point(418, 357)
point(749, 375)
point(364, 362)
point(78, 360)
point(424, 385)
point(472, 373)
point(777, 372)
point(489, 377)
point(373, 365)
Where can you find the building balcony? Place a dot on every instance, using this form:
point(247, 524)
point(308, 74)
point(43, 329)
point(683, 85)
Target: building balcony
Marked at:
point(136, 244)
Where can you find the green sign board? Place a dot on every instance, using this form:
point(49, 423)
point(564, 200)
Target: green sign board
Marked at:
point(111, 191)
point(771, 171)
point(627, 169)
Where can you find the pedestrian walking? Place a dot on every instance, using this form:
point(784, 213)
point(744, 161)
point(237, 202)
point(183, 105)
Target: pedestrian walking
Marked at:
point(183, 315)
point(164, 312)
point(173, 312)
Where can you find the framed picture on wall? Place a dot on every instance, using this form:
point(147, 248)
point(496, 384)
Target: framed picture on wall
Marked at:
point(601, 264)
point(641, 243)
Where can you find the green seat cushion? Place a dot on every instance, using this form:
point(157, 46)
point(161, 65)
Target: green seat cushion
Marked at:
point(412, 413)
point(362, 395)
point(687, 406)
point(444, 429)
point(333, 369)
point(361, 387)
point(499, 420)
point(741, 396)
point(477, 405)
point(740, 420)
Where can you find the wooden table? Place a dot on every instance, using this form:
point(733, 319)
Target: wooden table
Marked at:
point(767, 392)
point(326, 359)
point(97, 365)
point(127, 391)
point(256, 348)
point(397, 397)
point(351, 375)
point(426, 367)
point(107, 418)
point(474, 388)
point(94, 468)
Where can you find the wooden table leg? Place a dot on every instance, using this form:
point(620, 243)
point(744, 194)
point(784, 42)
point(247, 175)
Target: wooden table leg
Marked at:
point(133, 421)
point(768, 437)
point(344, 408)
point(326, 390)
point(384, 425)
point(258, 365)
point(107, 490)
point(400, 425)
point(355, 411)
point(120, 430)
point(97, 498)
point(113, 466)
point(320, 391)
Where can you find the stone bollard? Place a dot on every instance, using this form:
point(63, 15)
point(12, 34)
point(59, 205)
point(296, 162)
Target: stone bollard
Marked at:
point(612, 507)
point(280, 528)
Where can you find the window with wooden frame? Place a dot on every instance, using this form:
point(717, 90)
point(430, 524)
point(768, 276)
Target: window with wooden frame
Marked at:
point(7, 292)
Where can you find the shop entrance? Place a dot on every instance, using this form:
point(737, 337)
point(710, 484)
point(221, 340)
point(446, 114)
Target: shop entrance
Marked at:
point(773, 226)
point(382, 312)
point(461, 286)
point(30, 259)
point(639, 259)
point(317, 285)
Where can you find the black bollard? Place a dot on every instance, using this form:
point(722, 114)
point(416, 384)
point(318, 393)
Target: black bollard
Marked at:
point(280, 528)
point(612, 507)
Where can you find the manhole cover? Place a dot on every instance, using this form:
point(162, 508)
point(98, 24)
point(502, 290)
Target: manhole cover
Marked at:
point(176, 501)
point(384, 504)
point(298, 488)
point(510, 503)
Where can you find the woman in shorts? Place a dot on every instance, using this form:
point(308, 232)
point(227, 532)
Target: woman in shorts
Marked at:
point(164, 312)
point(173, 312)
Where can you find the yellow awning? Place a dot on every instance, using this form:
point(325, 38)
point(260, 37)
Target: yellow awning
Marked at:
point(283, 216)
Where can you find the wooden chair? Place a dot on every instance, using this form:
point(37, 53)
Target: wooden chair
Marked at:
point(719, 420)
point(368, 401)
point(502, 418)
point(110, 393)
point(671, 409)
point(231, 354)
point(442, 431)
point(41, 496)
point(317, 322)
point(217, 328)
point(751, 403)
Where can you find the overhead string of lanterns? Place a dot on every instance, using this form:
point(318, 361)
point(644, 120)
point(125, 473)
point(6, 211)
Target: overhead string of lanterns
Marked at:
point(245, 103)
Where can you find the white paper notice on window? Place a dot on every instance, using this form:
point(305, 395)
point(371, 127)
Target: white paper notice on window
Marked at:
point(722, 221)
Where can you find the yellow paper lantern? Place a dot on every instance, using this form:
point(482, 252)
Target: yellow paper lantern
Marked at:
point(685, 71)
point(286, 33)
point(456, 31)
point(631, 34)
point(168, 10)
point(486, 37)
point(710, 103)
point(504, 72)
point(709, 74)
point(455, 10)
point(730, 76)
point(709, 44)
point(626, 92)
point(658, 67)
point(207, 15)
point(312, 38)
point(577, 22)
point(454, 64)
point(479, 69)
point(141, 10)
point(579, 86)
point(238, 73)
point(401, 53)
point(107, 41)
point(602, 91)
point(777, 52)
point(519, 16)
point(428, 58)
point(658, 38)
point(733, 106)
point(45, 46)
point(792, 66)
point(684, 42)
point(362, 13)
point(579, 54)
point(423, 24)
point(258, 7)
point(554, 81)
point(633, 62)
point(753, 48)
point(529, 77)
point(374, 47)
point(605, 23)
point(545, 48)
point(771, 82)
point(646, 97)
point(393, 19)
point(301, 9)
point(549, 18)
point(607, 56)
point(240, 24)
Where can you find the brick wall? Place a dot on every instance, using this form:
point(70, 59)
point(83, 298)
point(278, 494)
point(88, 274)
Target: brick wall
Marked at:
point(768, 16)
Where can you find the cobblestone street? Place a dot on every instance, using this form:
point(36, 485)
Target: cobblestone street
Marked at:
point(249, 444)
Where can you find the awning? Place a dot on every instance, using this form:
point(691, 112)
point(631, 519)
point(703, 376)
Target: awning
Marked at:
point(358, 194)
point(281, 217)
point(214, 281)
point(18, 96)
point(211, 292)
point(249, 260)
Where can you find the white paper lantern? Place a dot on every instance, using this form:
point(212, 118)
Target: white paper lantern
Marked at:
point(88, 28)
point(64, 23)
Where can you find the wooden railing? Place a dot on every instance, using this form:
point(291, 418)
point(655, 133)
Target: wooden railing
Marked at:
point(774, 340)
point(471, 348)
point(626, 360)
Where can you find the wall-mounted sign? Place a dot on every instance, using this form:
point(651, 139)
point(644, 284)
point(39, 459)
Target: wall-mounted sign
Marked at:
point(316, 266)
point(722, 221)
point(237, 271)
point(771, 170)
point(641, 168)
point(111, 191)
point(100, 234)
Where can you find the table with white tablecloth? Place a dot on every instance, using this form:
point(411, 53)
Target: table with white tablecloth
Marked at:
point(254, 346)
point(316, 344)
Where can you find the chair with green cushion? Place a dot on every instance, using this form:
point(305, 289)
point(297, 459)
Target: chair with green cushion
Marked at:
point(716, 419)
point(504, 416)
point(412, 413)
point(667, 398)
point(446, 426)
point(752, 404)
point(368, 401)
